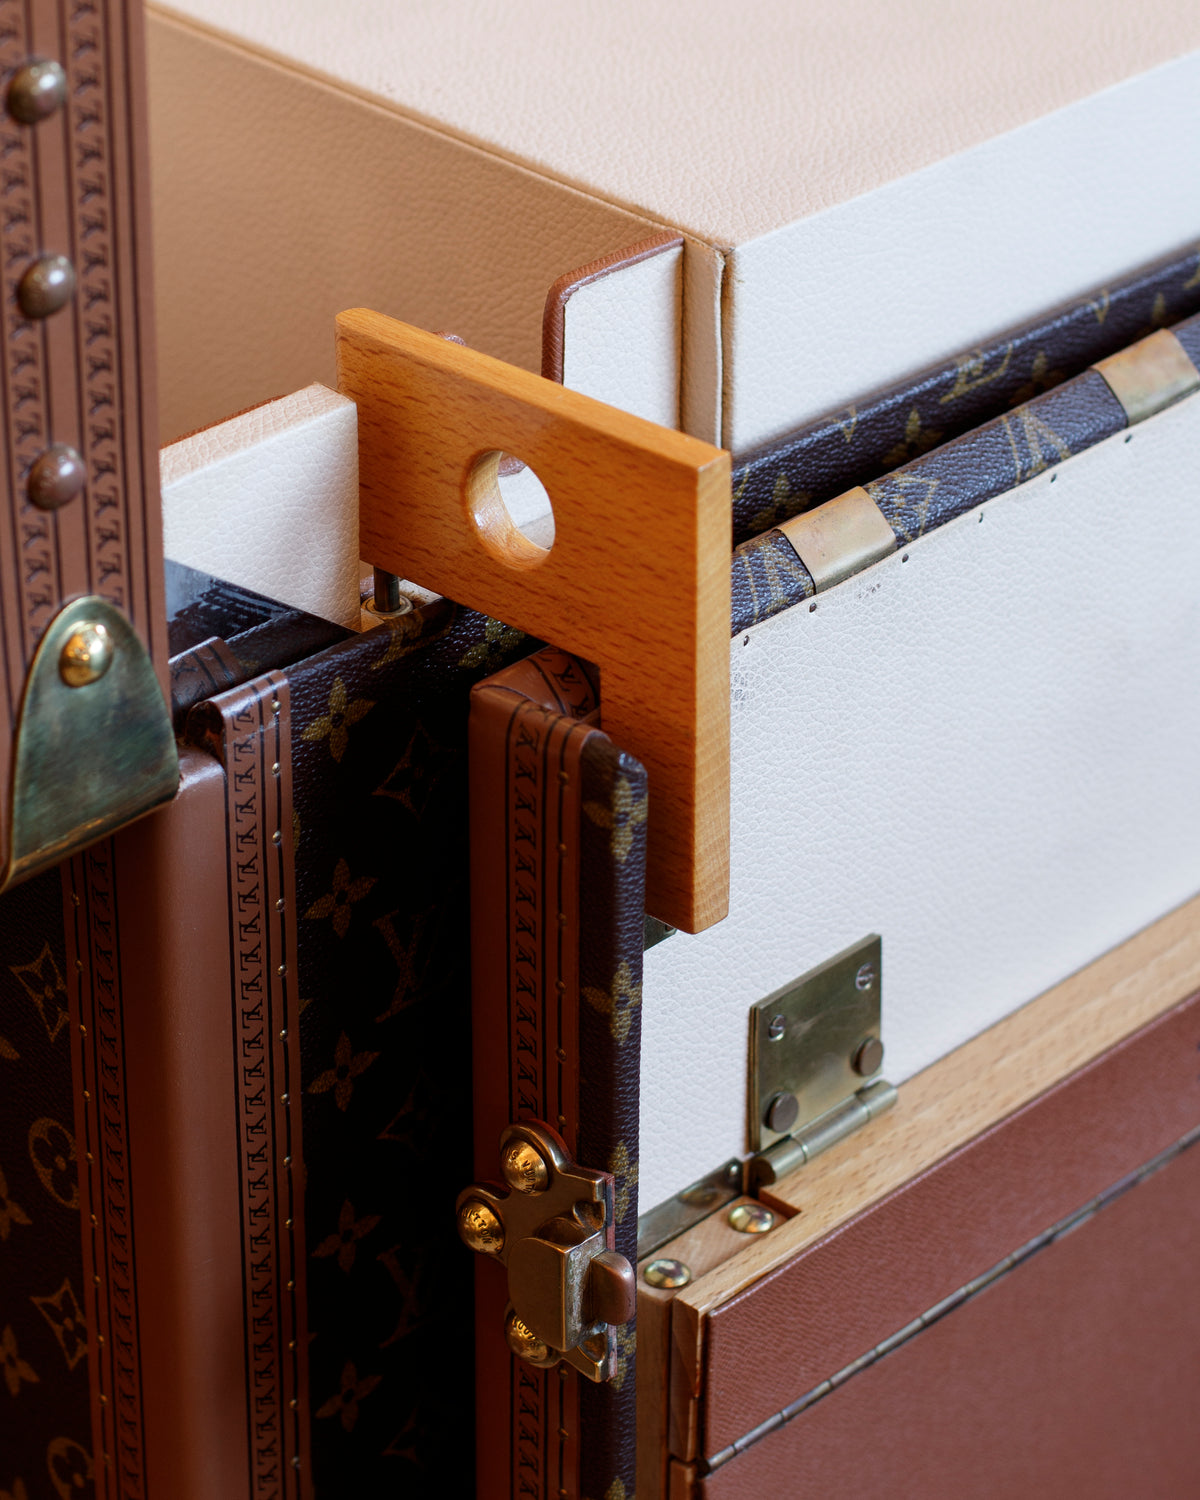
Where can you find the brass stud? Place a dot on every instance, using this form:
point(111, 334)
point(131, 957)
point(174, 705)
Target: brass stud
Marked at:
point(47, 286)
point(479, 1228)
point(524, 1168)
point(524, 1341)
point(36, 91)
point(56, 477)
point(87, 655)
point(751, 1218)
point(667, 1273)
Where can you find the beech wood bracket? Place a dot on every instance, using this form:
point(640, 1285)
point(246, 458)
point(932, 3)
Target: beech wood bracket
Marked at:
point(637, 580)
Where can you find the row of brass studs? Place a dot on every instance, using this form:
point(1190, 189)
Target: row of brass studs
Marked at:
point(36, 92)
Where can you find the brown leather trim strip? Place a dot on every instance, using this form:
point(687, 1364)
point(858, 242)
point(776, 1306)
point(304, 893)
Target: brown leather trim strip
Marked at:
point(554, 316)
point(77, 184)
point(111, 1291)
point(250, 729)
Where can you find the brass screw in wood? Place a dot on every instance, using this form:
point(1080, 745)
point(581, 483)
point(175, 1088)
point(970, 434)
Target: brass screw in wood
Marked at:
point(751, 1218)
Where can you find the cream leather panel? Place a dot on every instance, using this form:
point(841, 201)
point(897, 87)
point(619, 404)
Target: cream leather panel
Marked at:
point(857, 298)
point(724, 121)
point(984, 748)
point(269, 500)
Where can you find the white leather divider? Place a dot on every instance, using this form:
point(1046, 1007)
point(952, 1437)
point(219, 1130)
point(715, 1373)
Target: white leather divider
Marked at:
point(985, 748)
point(269, 500)
point(621, 337)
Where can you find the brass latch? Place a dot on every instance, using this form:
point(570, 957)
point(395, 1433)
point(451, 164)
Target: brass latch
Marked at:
point(553, 1230)
point(815, 1056)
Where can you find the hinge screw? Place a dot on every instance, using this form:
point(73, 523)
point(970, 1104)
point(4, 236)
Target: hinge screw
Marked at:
point(777, 1029)
point(667, 1273)
point(869, 1057)
point(782, 1113)
point(751, 1218)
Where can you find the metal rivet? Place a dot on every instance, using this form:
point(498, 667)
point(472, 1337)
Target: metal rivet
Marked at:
point(777, 1029)
point(287, 1223)
point(87, 1093)
point(668, 1273)
point(56, 477)
point(275, 768)
point(479, 1228)
point(281, 970)
point(524, 1341)
point(280, 904)
point(47, 286)
point(283, 1035)
point(782, 1113)
point(274, 705)
point(87, 655)
point(277, 837)
point(285, 1098)
point(869, 1057)
point(751, 1218)
point(524, 1168)
point(36, 91)
point(103, 1399)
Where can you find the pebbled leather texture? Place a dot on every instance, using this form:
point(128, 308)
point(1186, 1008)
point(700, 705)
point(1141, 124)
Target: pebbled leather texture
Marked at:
point(837, 184)
point(269, 501)
point(1074, 1374)
point(940, 752)
point(878, 433)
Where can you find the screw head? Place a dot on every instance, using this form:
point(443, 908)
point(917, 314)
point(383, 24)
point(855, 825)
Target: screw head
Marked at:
point(47, 285)
point(782, 1113)
point(36, 91)
point(869, 1057)
point(479, 1228)
point(56, 477)
point(524, 1168)
point(87, 655)
point(667, 1273)
point(523, 1341)
point(865, 977)
point(777, 1028)
point(751, 1218)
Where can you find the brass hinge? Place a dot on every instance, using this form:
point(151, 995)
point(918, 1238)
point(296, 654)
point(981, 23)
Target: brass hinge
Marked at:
point(815, 1056)
point(840, 538)
point(568, 1288)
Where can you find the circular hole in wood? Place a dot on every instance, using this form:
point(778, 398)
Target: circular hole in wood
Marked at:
point(511, 509)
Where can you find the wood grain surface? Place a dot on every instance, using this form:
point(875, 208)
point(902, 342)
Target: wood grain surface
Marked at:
point(637, 579)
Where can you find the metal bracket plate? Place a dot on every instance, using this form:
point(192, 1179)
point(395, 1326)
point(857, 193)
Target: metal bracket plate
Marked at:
point(815, 1056)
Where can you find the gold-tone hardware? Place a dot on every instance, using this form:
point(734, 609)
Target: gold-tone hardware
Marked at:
point(811, 1045)
point(524, 1342)
point(568, 1288)
point(47, 286)
point(751, 1218)
point(36, 91)
point(86, 762)
point(55, 477)
point(524, 1168)
point(479, 1228)
point(87, 655)
point(841, 537)
point(1150, 375)
point(667, 1273)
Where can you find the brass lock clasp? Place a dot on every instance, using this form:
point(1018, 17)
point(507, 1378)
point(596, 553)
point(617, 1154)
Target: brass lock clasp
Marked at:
point(552, 1229)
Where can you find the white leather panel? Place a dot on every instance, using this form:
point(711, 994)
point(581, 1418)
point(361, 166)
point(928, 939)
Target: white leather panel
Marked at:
point(834, 306)
point(621, 337)
point(984, 748)
point(269, 500)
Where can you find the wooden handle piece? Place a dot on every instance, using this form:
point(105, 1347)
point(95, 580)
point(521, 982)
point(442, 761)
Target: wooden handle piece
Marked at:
point(636, 581)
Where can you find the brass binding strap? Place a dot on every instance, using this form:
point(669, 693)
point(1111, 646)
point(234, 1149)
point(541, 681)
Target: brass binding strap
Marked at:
point(85, 736)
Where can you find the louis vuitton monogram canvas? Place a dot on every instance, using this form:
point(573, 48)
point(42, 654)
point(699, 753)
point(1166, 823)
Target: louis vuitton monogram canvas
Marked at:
point(45, 1419)
point(892, 429)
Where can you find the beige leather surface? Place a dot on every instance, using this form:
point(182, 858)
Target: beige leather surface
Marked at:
point(727, 121)
point(279, 203)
